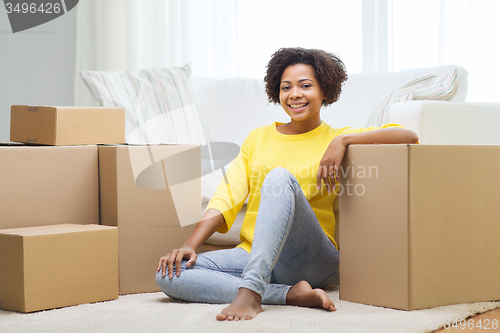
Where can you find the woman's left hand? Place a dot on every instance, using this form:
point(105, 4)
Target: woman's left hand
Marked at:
point(329, 165)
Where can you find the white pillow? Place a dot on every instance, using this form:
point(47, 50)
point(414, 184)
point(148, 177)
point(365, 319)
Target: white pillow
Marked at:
point(441, 87)
point(161, 105)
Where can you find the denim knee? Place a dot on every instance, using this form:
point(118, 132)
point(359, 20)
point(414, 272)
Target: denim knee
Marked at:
point(280, 173)
point(278, 181)
point(166, 284)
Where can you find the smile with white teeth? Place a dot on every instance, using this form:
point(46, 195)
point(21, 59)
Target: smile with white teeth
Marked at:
point(297, 106)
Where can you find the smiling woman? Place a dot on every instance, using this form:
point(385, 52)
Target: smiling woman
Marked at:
point(288, 253)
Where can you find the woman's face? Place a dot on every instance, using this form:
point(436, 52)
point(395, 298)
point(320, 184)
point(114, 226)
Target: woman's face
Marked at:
point(300, 93)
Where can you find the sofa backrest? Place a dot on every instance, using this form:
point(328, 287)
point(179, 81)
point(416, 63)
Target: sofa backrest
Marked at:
point(363, 92)
point(233, 107)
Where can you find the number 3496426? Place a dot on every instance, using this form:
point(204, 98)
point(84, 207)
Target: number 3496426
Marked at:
point(47, 8)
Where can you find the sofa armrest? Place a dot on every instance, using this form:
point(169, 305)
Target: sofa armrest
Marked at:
point(439, 122)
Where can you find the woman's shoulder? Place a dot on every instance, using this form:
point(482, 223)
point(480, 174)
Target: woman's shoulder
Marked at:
point(265, 129)
point(257, 133)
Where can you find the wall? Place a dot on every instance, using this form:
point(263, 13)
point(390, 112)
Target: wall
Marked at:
point(37, 66)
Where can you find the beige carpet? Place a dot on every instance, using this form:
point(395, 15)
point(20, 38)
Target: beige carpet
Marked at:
point(155, 312)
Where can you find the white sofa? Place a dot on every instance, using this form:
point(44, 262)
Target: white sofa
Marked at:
point(233, 107)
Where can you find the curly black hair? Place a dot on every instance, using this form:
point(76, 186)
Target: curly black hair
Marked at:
point(329, 70)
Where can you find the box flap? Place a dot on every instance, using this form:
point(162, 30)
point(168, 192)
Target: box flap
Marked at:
point(53, 229)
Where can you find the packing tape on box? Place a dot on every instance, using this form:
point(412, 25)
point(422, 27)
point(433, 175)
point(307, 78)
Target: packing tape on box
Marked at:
point(33, 108)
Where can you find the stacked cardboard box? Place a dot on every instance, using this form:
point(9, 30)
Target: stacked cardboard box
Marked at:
point(47, 185)
point(42, 185)
point(153, 195)
point(61, 126)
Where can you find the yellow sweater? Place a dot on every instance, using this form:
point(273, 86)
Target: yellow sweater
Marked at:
point(265, 149)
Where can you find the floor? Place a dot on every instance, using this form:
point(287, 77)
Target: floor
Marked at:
point(484, 322)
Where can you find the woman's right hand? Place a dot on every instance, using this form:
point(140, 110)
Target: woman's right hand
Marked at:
point(176, 256)
point(210, 222)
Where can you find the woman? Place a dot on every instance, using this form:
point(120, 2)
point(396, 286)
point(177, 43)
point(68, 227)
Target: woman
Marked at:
point(288, 172)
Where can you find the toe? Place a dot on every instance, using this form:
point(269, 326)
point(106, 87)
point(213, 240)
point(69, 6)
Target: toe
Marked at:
point(221, 316)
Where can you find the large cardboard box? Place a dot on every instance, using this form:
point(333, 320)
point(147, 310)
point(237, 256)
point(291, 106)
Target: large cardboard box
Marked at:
point(43, 185)
point(60, 126)
point(153, 194)
point(420, 225)
point(55, 266)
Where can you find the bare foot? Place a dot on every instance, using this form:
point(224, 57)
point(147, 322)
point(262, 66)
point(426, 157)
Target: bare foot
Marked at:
point(245, 306)
point(302, 294)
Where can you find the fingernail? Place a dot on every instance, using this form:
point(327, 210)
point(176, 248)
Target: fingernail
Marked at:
point(170, 276)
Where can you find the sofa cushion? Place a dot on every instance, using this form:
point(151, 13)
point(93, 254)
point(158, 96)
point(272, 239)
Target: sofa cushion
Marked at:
point(438, 122)
point(429, 86)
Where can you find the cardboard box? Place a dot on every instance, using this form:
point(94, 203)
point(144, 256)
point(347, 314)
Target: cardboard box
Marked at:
point(153, 194)
point(420, 225)
point(55, 266)
point(60, 126)
point(42, 185)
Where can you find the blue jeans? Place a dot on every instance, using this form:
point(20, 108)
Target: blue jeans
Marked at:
point(289, 246)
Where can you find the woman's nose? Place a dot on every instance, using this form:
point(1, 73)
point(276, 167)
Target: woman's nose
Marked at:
point(296, 93)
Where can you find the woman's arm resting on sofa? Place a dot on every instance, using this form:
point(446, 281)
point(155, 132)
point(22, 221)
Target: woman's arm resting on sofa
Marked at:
point(334, 154)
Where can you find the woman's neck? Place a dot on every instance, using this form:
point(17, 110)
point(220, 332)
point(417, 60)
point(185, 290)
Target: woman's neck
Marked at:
point(298, 127)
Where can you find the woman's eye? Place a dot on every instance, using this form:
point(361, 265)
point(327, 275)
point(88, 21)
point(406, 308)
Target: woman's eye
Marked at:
point(306, 86)
point(285, 88)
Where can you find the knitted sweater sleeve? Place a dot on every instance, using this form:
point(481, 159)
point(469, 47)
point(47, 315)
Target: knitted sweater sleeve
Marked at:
point(232, 191)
